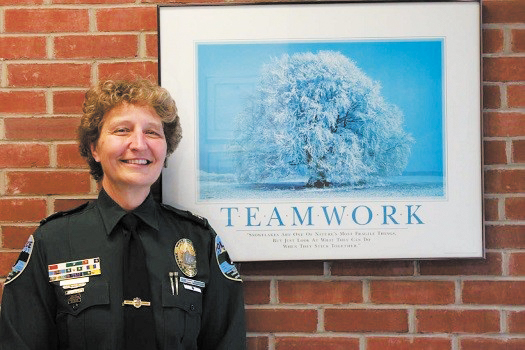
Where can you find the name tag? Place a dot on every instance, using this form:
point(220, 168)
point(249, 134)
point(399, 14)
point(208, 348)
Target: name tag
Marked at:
point(74, 283)
point(192, 282)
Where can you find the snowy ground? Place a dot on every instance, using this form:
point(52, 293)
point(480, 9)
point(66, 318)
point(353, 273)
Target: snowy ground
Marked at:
point(225, 187)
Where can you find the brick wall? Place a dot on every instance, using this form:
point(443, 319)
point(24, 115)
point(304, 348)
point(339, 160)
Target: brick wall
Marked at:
point(52, 50)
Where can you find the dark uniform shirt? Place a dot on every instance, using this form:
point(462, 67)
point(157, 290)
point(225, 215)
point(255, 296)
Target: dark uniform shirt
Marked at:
point(206, 311)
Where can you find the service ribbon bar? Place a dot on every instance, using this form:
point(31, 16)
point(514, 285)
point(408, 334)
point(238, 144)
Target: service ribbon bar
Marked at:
point(74, 269)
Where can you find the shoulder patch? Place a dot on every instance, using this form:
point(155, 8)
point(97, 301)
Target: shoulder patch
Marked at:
point(63, 213)
point(22, 261)
point(188, 215)
point(226, 266)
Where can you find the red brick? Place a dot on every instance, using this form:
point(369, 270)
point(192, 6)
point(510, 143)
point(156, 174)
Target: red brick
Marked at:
point(17, 155)
point(65, 102)
point(372, 268)
point(256, 292)
point(505, 69)
point(20, 47)
point(457, 321)
point(503, 124)
point(67, 204)
point(316, 343)
point(93, 2)
point(505, 181)
point(516, 322)
point(491, 209)
point(127, 19)
point(517, 264)
point(494, 292)
point(492, 40)
point(46, 20)
point(56, 128)
point(412, 292)
point(16, 210)
point(491, 265)
point(282, 268)
point(518, 151)
point(406, 343)
point(49, 74)
point(7, 260)
point(257, 343)
point(47, 182)
point(26, 102)
point(128, 70)
point(152, 48)
point(518, 40)
point(96, 46)
point(491, 96)
point(262, 320)
point(494, 152)
point(505, 236)
point(516, 96)
point(68, 156)
point(369, 320)
point(515, 208)
point(492, 344)
point(320, 292)
point(503, 11)
point(15, 237)
point(21, 2)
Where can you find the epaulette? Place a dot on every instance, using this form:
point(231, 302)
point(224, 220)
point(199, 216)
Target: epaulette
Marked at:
point(188, 215)
point(60, 214)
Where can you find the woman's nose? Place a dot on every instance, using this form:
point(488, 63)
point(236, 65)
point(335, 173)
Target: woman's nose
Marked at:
point(137, 140)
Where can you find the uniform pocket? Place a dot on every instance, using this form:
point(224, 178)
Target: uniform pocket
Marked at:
point(73, 310)
point(182, 317)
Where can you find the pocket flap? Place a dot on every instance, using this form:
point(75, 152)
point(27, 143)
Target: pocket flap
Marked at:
point(189, 301)
point(95, 292)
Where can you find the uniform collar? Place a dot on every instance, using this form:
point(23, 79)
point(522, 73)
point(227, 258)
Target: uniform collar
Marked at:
point(111, 212)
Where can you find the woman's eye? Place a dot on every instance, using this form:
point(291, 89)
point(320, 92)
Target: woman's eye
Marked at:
point(121, 130)
point(153, 133)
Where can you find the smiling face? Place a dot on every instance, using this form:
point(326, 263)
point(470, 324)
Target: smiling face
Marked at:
point(131, 149)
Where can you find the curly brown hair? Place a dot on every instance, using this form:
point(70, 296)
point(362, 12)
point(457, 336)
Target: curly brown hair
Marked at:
point(106, 95)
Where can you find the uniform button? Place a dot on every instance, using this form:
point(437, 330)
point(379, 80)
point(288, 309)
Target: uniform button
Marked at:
point(74, 306)
point(192, 307)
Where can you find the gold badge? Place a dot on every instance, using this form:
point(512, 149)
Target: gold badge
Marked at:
point(186, 257)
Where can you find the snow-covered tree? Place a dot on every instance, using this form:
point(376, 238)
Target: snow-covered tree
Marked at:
point(319, 116)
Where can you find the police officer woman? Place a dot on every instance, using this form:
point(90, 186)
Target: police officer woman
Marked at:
point(124, 271)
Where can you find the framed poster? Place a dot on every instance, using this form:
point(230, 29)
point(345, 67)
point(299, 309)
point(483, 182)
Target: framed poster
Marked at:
point(328, 130)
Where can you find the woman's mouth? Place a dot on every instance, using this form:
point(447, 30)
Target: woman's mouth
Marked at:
point(137, 161)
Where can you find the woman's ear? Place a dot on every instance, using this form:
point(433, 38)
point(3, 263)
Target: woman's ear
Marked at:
point(94, 152)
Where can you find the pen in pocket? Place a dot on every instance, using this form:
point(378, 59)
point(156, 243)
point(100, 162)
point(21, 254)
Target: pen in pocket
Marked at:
point(174, 285)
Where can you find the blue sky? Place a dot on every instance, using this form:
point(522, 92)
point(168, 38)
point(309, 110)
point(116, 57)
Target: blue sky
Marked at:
point(409, 71)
